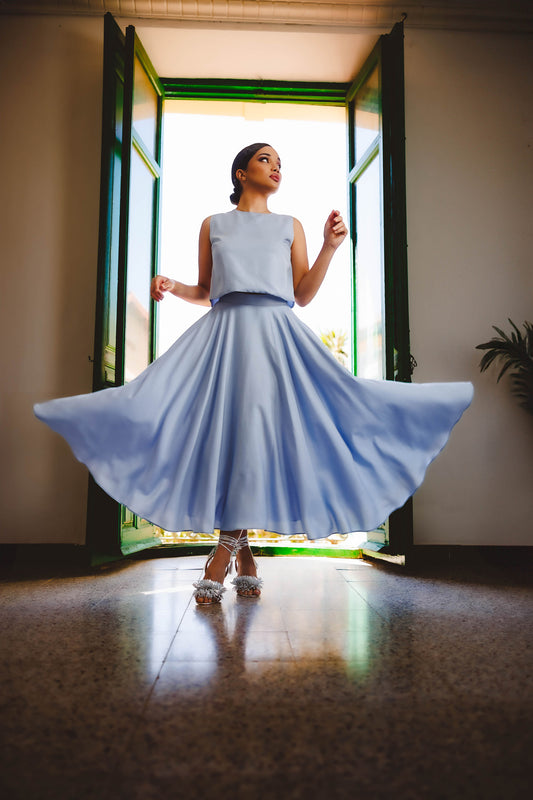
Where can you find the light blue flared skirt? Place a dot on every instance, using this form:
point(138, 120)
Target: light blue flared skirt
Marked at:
point(248, 421)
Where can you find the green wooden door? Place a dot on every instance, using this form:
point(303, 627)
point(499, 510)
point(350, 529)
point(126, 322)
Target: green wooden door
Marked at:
point(376, 161)
point(128, 254)
point(128, 247)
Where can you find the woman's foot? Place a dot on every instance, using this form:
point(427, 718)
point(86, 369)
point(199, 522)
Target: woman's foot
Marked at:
point(247, 584)
point(210, 589)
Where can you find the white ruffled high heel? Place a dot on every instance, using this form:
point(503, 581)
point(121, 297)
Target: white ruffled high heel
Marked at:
point(208, 592)
point(246, 583)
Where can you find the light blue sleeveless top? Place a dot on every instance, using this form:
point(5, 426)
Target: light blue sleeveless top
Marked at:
point(251, 253)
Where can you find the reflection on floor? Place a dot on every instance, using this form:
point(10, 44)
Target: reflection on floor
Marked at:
point(344, 680)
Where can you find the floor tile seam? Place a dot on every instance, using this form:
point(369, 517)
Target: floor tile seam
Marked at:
point(294, 657)
point(163, 662)
point(385, 619)
point(287, 653)
point(186, 608)
point(284, 620)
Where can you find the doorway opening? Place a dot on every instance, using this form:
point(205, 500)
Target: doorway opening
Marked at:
point(129, 238)
point(201, 138)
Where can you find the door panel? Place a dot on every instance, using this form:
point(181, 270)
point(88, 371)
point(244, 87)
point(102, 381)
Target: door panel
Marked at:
point(129, 236)
point(128, 254)
point(143, 185)
point(376, 143)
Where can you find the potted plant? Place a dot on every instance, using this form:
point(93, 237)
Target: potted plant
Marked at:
point(516, 353)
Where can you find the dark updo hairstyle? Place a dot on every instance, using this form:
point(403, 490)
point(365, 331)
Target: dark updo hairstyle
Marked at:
point(241, 161)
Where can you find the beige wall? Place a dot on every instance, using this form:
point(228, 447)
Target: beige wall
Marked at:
point(50, 94)
point(469, 126)
point(469, 178)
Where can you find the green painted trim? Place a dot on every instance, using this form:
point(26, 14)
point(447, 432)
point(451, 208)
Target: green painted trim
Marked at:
point(380, 557)
point(107, 538)
point(133, 538)
point(103, 513)
point(148, 67)
point(364, 72)
point(156, 241)
point(284, 550)
point(395, 185)
point(352, 222)
point(333, 94)
point(389, 212)
point(127, 126)
point(366, 159)
point(112, 75)
point(144, 155)
point(179, 550)
point(355, 169)
point(129, 546)
point(395, 243)
point(155, 164)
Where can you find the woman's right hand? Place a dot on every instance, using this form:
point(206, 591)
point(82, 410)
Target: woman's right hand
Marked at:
point(159, 286)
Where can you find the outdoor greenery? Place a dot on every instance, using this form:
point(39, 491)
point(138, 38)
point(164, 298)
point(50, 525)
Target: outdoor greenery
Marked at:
point(516, 353)
point(336, 342)
point(255, 536)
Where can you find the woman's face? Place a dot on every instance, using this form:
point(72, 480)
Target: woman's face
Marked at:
point(263, 170)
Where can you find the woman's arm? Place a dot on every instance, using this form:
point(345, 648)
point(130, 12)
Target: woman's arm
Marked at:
point(307, 281)
point(199, 293)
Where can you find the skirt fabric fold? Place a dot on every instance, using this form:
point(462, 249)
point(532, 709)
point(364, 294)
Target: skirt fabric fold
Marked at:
point(248, 421)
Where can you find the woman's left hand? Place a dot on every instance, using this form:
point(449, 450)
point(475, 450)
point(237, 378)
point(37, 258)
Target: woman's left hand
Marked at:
point(335, 231)
point(159, 286)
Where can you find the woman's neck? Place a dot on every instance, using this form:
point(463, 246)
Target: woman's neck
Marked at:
point(253, 202)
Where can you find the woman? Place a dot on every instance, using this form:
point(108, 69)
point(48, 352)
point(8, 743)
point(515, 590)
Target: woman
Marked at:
point(248, 421)
point(256, 174)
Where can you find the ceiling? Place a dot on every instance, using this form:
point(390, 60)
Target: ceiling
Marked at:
point(285, 55)
point(305, 40)
point(360, 13)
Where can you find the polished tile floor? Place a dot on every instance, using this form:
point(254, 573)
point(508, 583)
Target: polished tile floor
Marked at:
point(345, 680)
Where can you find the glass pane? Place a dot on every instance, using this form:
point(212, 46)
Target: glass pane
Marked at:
point(367, 113)
point(369, 278)
point(119, 105)
point(109, 321)
point(140, 238)
point(110, 314)
point(144, 108)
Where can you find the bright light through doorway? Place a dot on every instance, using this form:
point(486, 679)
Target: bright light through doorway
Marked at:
point(200, 141)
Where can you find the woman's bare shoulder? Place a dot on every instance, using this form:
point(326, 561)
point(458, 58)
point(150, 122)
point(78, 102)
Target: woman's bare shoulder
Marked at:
point(298, 227)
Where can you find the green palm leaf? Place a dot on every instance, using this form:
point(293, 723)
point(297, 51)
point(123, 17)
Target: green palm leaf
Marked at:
point(516, 352)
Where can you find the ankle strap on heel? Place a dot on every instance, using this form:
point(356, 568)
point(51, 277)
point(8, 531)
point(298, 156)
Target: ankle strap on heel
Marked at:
point(229, 543)
point(242, 541)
